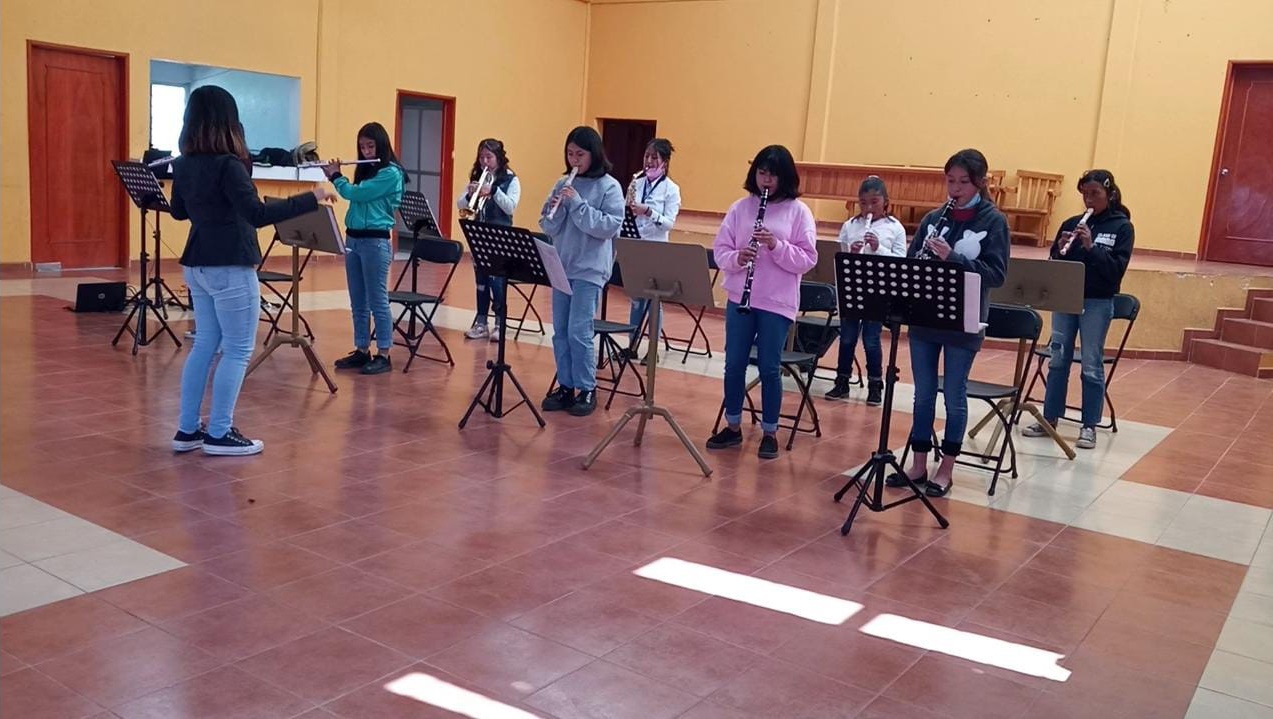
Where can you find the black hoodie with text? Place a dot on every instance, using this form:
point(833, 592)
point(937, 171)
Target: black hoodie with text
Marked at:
point(1112, 238)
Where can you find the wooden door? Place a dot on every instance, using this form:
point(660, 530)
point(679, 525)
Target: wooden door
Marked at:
point(77, 115)
point(1238, 222)
point(425, 143)
point(625, 142)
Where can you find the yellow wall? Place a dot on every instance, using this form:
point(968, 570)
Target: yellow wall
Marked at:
point(525, 84)
point(1130, 85)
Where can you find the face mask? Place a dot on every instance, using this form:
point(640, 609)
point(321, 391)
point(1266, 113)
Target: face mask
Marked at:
point(653, 173)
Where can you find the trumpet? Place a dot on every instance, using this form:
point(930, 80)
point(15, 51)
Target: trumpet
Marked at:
point(476, 201)
point(1067, 242)
point(744, 302)
point(570, 180)
point(923, 253)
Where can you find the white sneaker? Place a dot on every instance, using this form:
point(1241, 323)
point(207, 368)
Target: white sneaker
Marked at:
point(478, 331)
point(1034, 430)
point(1087, 438)
point(494, 333)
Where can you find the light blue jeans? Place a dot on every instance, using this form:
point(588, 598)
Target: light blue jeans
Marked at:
point(1091, 327)
point(572, 335)
point(367, 271)
point(227, 308)
point(957, 363)
point(767, 332)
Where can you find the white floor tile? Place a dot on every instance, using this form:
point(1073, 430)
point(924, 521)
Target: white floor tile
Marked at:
point(1264, 554)
point(1214, 705)
point(1253, 608)
point(1142, 528)
point(1249, 639)
point(8, 560)
point(1231, 546)
point(1239, 677)
point(24, 587)
point(1259, 580)
point(59, 536)
point(19, 510)
point(1137, 494)
point(108, 565)
point(1211, 513)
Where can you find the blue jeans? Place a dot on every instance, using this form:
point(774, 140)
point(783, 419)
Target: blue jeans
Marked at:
point(367, 271)
point(227, 307)
point(956, 366)
point(1090, 328)
point(490, 290)
point(572, 335)
point(636, 315)
point(870, 333)
point(768, 332)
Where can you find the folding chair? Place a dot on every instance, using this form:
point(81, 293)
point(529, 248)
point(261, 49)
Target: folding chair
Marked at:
point(610, 354)
point(1126, 308)
point(696, 316)
point(799, 364)
point(1005, 322)
point(418, 308)
point(521, 322)
point(273, 311)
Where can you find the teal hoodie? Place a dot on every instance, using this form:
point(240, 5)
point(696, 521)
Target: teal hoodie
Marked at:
point(372, 202)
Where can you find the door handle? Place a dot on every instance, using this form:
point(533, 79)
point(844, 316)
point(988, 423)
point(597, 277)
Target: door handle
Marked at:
point(1224, 172)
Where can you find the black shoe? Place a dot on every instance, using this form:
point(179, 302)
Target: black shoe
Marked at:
point(840, 390)
point(768, 447)
point(874, 393)
point(585, 403)
point(936, 490)
point(897, 479)
point(378, 365)
point(725, 439)
point(188, 441)
point(559, 399)
point(354, 360)
point(232, 444)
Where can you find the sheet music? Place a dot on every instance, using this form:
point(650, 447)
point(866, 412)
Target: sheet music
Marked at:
point(972, 303)
point(552, 264)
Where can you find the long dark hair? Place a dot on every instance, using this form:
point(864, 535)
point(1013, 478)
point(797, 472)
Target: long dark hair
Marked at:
point(496, 148)
point(588, 140)
point(776, 160)
point(212, 125)
point(1105, 179)
point(975, 164)
point(377, 133)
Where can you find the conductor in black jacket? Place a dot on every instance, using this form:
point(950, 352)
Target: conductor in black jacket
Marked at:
point(212, 187)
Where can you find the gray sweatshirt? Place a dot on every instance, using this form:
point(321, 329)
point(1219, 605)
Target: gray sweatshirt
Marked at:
point(584, 226)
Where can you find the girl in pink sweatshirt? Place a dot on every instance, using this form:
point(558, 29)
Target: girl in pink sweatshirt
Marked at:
point(783, 252)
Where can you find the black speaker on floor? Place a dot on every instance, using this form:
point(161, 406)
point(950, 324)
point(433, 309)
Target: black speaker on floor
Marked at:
point(100, 297)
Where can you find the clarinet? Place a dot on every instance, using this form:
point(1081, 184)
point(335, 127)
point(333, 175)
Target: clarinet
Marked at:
point(744, 303)
point(923, 253)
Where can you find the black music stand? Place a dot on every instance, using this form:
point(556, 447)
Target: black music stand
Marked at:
point(659, 272)
point(896, 291)
point(629, 229)
point(315, 232)
point(518, 254)
point(1047, 286)
point(146, 193)
point(418, 215)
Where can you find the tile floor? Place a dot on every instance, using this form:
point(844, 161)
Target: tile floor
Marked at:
point(377, 561)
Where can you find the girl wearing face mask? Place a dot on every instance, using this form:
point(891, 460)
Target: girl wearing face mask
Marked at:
point(973, 234)
point(582, 216)
point(655, 202)
point(502, 192)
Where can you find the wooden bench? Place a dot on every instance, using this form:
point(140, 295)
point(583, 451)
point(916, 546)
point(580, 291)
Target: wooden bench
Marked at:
point(1028, 206)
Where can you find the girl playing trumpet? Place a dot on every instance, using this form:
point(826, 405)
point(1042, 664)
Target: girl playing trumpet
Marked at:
point(502, 192)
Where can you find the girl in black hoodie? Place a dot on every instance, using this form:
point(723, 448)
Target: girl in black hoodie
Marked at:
point(1104, 245)
point(973, 234)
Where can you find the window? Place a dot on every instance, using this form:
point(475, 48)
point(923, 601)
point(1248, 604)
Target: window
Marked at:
point(167, 107)
point(269, 105)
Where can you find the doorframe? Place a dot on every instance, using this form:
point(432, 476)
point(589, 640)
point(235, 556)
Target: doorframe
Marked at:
point(447, 170)
point(1226, 106)
point(123, 61)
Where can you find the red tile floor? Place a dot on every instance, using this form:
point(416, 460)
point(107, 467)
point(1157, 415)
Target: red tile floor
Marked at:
point(374, 545)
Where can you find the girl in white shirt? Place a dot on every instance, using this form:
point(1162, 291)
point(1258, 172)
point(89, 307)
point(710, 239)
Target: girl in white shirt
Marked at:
point(656, 200)
point(872, 232)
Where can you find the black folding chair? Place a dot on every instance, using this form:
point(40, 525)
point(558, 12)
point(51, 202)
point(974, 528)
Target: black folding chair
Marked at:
point(419, 308)
point(799, 361)
point(273, 311)
point(1127, 309)
point(522, 321)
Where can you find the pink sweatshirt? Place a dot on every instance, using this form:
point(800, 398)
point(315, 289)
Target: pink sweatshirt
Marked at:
point(775, 286)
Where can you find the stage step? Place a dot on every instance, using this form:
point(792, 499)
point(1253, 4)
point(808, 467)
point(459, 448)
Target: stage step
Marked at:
point(1262, 309)
point(1252, 333)
point(1232, 357)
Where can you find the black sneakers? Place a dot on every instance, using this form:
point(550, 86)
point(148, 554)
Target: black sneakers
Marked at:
point(378, 365)
point(232, 444)
point(874, 393)
point(840, 390)
point(725, 439)
point(768, 447)
point(559, 399)
point(188, 441)
point(585, 403)
point(354, 360)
